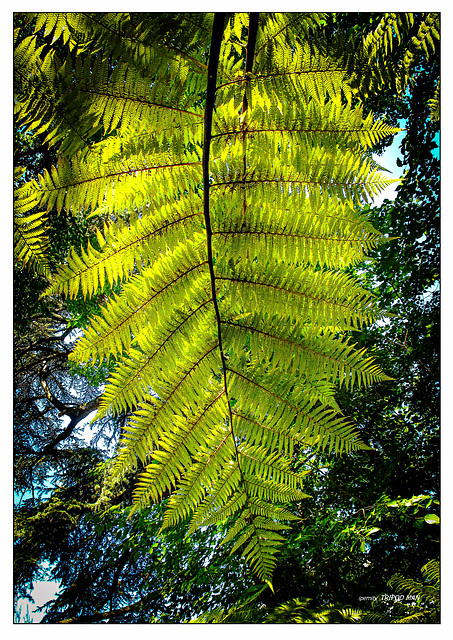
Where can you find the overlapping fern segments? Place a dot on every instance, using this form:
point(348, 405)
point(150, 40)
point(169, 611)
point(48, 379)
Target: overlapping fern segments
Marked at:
point(385, 56)
point(222, 388)
point(30, 230)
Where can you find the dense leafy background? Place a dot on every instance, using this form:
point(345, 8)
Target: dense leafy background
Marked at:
point(371, 514)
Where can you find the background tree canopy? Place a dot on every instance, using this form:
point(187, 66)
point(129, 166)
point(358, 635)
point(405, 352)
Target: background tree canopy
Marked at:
point(200, 271)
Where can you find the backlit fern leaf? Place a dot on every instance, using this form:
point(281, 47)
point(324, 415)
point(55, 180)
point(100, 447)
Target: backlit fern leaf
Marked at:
point(384, 57)
point(41, 81)
point(228, 170)
point(30, 231)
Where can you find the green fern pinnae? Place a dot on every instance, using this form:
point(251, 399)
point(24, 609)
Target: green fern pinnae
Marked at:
point(193, 486)
point(428, 31)
point(327, 124)
point(297, 611)
point(126, 250)
point(271, 434)
point(258, 526)
point(30, 230)
point(273, 512)
point(121, 97)
point(147, 298)
point(413, 587)
point(311, 232)
point(279, 29)
point(425, 608)
point(346, 176)
point(157, 348)
point(89, 95)
point(53, 23)
point(259, 542)
point(88, 181)
point(242, 612)
point(145, 43)
point(382, 39)
point(291, 409)
point(431, 572)
point(40, 78)
point(322, 298)
point(181, 391)
point(259, 468)
point(177, 449)
point(31, 242)
point(370, 66)
point(230, 327)
point(314, 358)
point(226, 495)
point(312, 73)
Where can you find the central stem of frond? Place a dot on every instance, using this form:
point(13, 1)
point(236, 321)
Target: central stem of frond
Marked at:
point(216, 41)
point(214, 54)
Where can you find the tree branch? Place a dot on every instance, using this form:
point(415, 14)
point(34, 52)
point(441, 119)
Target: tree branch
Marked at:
point(95, 617)
point(75, 413)
point(121, 564)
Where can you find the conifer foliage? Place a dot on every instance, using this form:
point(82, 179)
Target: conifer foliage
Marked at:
point(225, 160)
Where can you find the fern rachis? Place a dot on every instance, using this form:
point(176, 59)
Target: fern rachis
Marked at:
point(231, 328)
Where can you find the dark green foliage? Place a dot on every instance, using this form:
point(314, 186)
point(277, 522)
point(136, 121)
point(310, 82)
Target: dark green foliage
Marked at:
point(42, 529)
point(134, 574)
point(399, 419)
point(369, 515)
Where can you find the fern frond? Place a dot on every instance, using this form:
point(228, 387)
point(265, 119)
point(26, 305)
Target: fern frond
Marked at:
point(212, 457)
point(299, 611)
point(422, 604)
point(128, 249)
point(116, 99)
point(90, 181)
point(315, 426)
point(369, 61)
point(30, 243)
point(175, 276)
point(346, 176)
point(145, 38)
point(242, 184)
point(431, 571)
point(41, 81)
point(428, 31)
point(314, 358)
point(322, 298)
point(129, 383)
point(30, 232)
point(414, 588)
point(326, 124)
point(52, 95)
